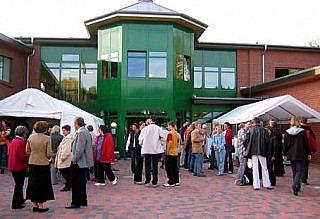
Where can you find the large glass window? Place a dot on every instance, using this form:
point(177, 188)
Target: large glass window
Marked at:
point(157, 64)
point(228, 78)
point(197, 77)
point(5, 69)
point(70, 84)
point(137, 64)
point(211, 75)
point(88, 82)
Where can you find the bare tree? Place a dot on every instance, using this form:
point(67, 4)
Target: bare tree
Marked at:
point(314, 42)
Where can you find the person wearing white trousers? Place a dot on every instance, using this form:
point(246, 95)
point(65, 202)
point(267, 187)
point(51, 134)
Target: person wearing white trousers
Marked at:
point(255, 172)
point(258, 141)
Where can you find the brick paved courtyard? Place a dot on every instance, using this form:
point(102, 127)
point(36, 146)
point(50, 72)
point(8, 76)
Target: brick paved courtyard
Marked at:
point(196, 197)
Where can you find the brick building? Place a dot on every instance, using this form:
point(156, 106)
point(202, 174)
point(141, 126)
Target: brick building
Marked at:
point(146, 59)
point(13, 65)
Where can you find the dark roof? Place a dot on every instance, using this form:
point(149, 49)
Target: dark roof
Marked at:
point(307, 74)
point(146, 10)
point(223, 100)
point(211, 45)
point(61, 41)
point(15, 43)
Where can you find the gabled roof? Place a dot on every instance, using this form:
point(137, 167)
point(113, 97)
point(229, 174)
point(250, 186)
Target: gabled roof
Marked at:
point(146, 10)
point(15, 43)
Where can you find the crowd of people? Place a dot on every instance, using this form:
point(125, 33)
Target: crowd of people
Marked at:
point(260, 151)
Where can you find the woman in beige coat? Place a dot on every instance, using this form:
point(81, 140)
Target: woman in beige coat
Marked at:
point(64, 157)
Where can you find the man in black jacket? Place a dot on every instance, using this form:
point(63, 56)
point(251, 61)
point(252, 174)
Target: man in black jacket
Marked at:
point(258, 140)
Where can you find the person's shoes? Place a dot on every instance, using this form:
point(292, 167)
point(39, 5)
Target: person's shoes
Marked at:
point(239, 183)
point(295, 191)
point(2, 171)
point(270, 188)
point(99, 184)
point(256, 189)
point(219, 174)
point(177, 184)
point(40, 210)
point(139, 183)
point(202, 175)
point(64, 189)
point(229, 172)
point(18, 207)
point(305, 183)
point(168, 185)
point(72, 206)
point(147, 184)
point(114, 182)
point(84, 204)
point(154, 185)
point(35, 209)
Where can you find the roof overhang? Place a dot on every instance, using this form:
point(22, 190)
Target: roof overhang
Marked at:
point(223, 100)
point(15, 44)
point(182, 19)
point(298, 77)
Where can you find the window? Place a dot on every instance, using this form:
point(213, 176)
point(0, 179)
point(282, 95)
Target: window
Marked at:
point(228, 79)
point(157, 64)
point(70, 84)
point(88, 82)
point(137, 64)
point(211, 77)
point(280, 72)
point(70, 57)
point(5, 69)
point(183, 67)
point(197, 77)
point(114, 64)
point(104, 73)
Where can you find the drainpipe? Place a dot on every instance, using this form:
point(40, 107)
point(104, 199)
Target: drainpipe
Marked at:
point(28, 63)
point(263, 62)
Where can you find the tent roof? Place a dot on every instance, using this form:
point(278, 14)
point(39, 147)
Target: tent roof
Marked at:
point(281, 108)
point(34, 103)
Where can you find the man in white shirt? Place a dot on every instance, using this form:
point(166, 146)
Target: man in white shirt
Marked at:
point(150, 140)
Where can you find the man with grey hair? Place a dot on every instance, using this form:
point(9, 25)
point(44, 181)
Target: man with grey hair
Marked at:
point(258, 141)
point(81, 161)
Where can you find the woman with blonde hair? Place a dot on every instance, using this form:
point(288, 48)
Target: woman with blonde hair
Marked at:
point(39, 188)
point(297, 150)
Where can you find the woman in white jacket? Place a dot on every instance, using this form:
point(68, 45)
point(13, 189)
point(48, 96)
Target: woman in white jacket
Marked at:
point(64, 157)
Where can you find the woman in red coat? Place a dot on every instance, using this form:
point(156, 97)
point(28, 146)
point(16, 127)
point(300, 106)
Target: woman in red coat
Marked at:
point(103, 155)
point(18, 164)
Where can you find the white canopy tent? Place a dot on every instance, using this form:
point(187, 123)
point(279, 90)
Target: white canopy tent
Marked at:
point(280, 108)
point(34, 103)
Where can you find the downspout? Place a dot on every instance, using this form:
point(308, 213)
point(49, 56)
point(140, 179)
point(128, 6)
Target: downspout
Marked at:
point(263, 62)
point(28, 64)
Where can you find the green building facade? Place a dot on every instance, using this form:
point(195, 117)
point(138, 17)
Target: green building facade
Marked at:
point(140, 61)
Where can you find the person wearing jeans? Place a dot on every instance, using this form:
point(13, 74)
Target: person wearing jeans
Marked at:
point(297, 150)
point(218, 144)
point(139, 159)
point(104, 155)
point(228, 163)
point(197, 140)
point(242, 136)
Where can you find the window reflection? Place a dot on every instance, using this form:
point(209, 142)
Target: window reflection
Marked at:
point(70, 84)
point(197, 77)
point(228, 79)
point(158, 67)
point(211, 77)
point(88, 84)
point(137, 64)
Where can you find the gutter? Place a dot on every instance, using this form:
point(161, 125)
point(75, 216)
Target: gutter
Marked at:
point(263, 62)
point(28, 63)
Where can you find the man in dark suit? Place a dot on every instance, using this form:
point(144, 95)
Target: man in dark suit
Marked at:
point(82, 160)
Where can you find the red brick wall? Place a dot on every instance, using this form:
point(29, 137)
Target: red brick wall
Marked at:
point(307, 92)
point(249, 64)
point(35, 64)
point(18, 71)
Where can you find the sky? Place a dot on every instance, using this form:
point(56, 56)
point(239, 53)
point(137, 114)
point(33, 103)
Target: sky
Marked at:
point(272, 22)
